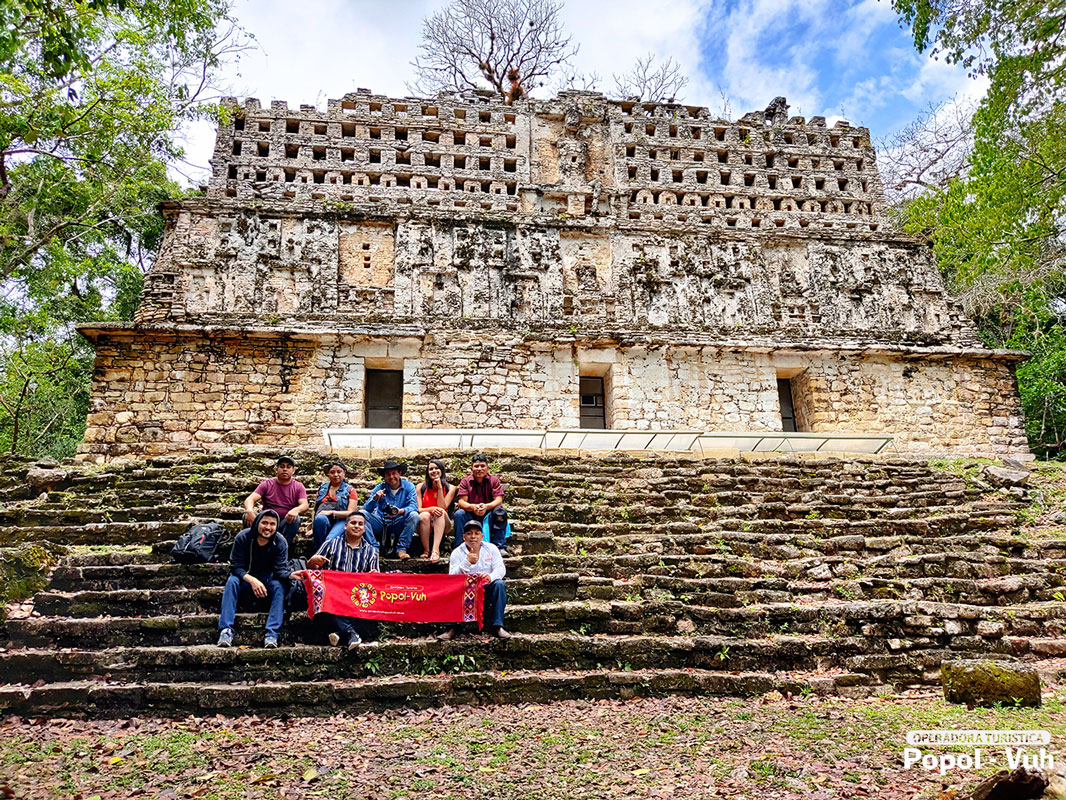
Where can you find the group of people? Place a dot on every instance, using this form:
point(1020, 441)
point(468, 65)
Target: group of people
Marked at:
point(350, 538)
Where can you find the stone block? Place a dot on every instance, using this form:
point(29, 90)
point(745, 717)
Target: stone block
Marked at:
point(984, 682)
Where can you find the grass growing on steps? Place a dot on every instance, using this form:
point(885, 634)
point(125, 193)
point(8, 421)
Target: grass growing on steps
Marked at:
point(670, 747)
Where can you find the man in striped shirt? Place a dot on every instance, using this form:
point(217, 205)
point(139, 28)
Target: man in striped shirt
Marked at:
point(350, 553)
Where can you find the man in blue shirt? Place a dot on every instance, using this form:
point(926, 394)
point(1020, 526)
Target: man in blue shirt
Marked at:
point(392, 510)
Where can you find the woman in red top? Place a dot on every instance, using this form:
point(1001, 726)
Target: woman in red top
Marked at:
point(435, 497)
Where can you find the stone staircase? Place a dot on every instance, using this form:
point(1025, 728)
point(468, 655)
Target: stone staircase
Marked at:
point(629, 575)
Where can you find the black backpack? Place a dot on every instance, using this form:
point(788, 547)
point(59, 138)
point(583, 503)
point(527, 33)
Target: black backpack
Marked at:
point(296, 597)
point(201, 544)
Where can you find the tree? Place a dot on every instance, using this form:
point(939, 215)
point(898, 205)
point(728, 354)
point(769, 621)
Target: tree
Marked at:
point(650, 82)
point(930, 153)
point(91, 95)
point(999, 227)
point(508, 46)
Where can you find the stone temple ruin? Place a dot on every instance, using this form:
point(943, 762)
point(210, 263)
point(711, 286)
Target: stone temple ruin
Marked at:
point(574, 262)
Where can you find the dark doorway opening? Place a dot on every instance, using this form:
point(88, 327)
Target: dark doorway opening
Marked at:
point(788, 410)
point(384, 398)
point(593, 405)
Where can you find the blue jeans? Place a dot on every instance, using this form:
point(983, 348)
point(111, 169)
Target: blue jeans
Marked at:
point(495, 603)
point(386, 530)
point(326, 528)
point(236, 587)
point(497, 525)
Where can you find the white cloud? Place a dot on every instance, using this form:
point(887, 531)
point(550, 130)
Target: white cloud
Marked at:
point(755, 50)
point(613, 34)
point(747, 78)
point(938, 80)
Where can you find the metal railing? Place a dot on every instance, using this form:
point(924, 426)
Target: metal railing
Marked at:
point(587, 439)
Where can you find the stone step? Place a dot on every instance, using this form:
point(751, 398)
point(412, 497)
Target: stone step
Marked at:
point(938, 526)
point(711, 580)
point(783, 548)
point(164, 574)
point(208, 596)
point(208, 663)
point(82, 699)
point(632, 614)
point(717, 590)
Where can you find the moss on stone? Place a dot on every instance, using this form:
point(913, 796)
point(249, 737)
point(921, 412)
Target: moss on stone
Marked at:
point(983, 682)
point(24, 571)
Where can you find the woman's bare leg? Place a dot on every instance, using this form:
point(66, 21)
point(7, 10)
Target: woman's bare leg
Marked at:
point(439, 524)
point(424, 523)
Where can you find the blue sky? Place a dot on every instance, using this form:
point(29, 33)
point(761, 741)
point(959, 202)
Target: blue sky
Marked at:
point(835, 58)
point(830, 57)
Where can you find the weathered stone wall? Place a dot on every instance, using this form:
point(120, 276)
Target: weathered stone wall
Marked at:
point(255, 263)
point(193, 391)
point(498, 253)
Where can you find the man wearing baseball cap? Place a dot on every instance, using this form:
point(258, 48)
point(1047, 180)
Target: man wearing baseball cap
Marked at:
point(283, 495)
point(477, 557)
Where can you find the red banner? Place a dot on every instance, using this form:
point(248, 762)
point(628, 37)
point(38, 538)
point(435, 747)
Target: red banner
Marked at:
point(396, 596)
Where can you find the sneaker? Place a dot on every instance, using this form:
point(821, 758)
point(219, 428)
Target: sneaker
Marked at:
point(225, 637)
point(334, 638)
point(354, 640)
point(503, 552)
point(502, 634)
point(271, 642)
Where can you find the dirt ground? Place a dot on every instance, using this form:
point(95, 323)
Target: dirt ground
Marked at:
point(771, 747)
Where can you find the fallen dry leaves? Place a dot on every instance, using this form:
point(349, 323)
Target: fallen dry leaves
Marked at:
point(810, 748)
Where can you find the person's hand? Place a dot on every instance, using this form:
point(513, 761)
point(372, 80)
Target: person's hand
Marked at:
point(379, 494)
point(258, 589)
point(314, 562)
point(292, 515)
point(249, 518)
point(436, 511)
point(436, 483)
point(480, 508)
point(472, 557)
point(296, 576)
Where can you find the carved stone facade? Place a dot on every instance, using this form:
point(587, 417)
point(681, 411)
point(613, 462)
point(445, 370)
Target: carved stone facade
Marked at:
point(496, 254)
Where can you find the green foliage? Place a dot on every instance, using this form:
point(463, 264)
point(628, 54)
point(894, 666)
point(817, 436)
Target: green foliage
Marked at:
point(91, 94)
point(998, 227)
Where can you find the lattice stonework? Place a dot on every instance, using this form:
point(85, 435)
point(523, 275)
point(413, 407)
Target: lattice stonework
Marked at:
point(497, 255)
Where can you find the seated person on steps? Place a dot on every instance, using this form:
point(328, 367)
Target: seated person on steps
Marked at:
point(477, 557)
point(435, 499)
point(284, 495)
point(258, 564)
point(392, 510)
point(335, 502)
point(351, 552)
point(480, 495)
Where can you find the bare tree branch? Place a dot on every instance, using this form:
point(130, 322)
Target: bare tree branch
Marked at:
point(651, 82)
point(930, 152)
point(508, 46)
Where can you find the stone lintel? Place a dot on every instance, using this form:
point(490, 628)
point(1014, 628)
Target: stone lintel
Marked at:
point(550, 339)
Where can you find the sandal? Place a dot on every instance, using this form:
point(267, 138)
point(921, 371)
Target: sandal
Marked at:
point(402, 555)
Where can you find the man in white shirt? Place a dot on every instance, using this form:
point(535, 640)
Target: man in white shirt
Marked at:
point(477, 557)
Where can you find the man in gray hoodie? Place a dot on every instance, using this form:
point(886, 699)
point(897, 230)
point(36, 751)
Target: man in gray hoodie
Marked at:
point(258, 564)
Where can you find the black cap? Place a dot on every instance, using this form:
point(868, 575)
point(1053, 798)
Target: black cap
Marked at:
point(471, 523)
point(285, 460)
